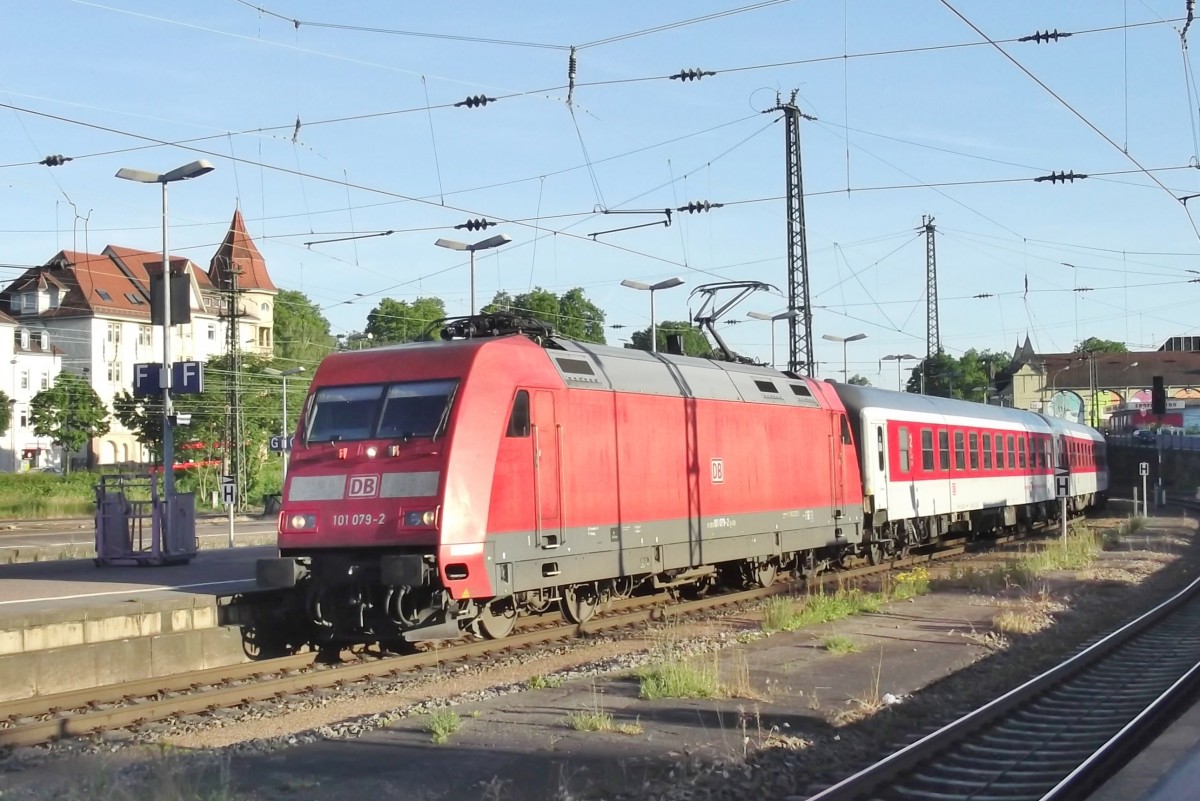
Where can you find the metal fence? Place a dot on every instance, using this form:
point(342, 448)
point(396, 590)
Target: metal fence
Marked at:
point(1168, 442)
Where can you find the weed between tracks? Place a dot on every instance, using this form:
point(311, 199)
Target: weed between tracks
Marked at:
point(441, 724)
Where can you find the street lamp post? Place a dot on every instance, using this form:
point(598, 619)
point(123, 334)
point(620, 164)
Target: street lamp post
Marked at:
point(284, 425)
point(184, 173)
point(772, 319)
point(652, 288)
point(491, 242)
point(844, 341)
point(897, 358)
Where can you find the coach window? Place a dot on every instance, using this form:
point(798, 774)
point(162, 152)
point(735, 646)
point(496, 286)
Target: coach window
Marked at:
point(879, 442)
point(987, 451)
point(1021, 452)
point(999, 451)
point(960, 459)
point(926, 449)
point(904, 455)
point(944, 449)
point(973, 447)
point(518, 421)
point(1012, 452)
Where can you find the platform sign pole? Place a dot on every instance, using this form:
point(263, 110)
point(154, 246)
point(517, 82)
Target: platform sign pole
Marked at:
point(1062, 488)
point(1144, 469)
point(229, 496)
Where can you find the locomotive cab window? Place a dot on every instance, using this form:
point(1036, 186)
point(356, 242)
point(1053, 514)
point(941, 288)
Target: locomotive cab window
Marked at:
point(376, 411)
point(518, 420)
point(416, 409)
point(344, 413)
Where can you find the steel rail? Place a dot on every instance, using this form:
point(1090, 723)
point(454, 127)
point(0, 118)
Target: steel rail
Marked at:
point(1059, 734)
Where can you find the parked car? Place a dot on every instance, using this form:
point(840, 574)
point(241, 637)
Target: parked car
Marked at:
point(1144, 435)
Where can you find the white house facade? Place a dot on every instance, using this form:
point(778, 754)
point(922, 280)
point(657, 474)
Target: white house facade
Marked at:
point(94, 310)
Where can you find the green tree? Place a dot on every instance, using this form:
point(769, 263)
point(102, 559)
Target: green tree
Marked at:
point(302, 335)
point(1098, 345)
point(403, 321)
point(695, 341)
point(969, 377)
point(70, 413)
point(859, 380)
point(571, 314)
point(6, 411)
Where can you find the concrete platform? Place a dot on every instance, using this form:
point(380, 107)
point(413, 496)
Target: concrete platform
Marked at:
point(1168, 770)
point(49, 540)
point(70, 625)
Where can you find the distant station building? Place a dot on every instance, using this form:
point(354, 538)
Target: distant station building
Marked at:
point(1110, 391)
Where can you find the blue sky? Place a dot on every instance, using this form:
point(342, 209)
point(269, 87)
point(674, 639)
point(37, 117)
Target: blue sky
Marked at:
point(935, 121)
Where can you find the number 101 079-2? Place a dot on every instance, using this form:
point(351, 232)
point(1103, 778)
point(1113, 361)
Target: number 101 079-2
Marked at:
point(359, 520)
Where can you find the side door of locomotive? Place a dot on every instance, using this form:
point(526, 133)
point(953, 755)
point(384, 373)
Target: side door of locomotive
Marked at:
point(547, 467)
point(842, 443)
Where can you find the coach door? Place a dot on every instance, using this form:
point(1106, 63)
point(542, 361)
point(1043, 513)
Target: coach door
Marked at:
point(879, 486)
point(547, 467)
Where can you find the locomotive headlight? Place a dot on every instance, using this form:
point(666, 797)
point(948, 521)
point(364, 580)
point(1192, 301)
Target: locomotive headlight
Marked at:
point(371, 451)
point(299, 522)
point(426, 517)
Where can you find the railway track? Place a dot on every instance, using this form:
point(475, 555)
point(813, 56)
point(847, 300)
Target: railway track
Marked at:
point(44, 719)
point(1059, 735)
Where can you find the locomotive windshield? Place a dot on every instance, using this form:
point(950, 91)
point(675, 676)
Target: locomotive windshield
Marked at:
point(380, 411)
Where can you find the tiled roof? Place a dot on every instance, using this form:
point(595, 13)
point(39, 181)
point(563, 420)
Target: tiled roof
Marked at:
point(117, 281)
point(238, 255)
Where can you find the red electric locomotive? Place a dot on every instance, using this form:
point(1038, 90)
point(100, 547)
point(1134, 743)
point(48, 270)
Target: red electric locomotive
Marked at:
point(450, 486)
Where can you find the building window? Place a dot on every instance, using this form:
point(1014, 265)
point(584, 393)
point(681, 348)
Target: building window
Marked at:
point(114, 333)
point(24, 379)
point(24, 339)
point(114, 372)
point(145, 335)
point(264, 337)
point(103, 295)
point(45, 381)
point(265, 308)
point(212, 332)
point(28, 302)
point(44, 341)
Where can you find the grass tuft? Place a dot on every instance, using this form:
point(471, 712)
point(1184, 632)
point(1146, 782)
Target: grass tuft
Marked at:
point(543, 682)
point(678, 677)
point(441, 724)
point(839, 644)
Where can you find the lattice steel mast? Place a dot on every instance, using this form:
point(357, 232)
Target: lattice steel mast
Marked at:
point(800, 351)
point(933, 338)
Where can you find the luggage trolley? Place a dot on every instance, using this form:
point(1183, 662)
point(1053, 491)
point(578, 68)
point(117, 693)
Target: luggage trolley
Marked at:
point(136, 525)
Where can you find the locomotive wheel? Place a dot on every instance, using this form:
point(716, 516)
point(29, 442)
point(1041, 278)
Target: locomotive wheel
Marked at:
point(578, 604)
point(498, 619)
point(765, 573)
point(875, 552)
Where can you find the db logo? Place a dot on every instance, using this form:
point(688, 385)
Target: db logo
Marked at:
point(363, 487)
point(718, 471)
